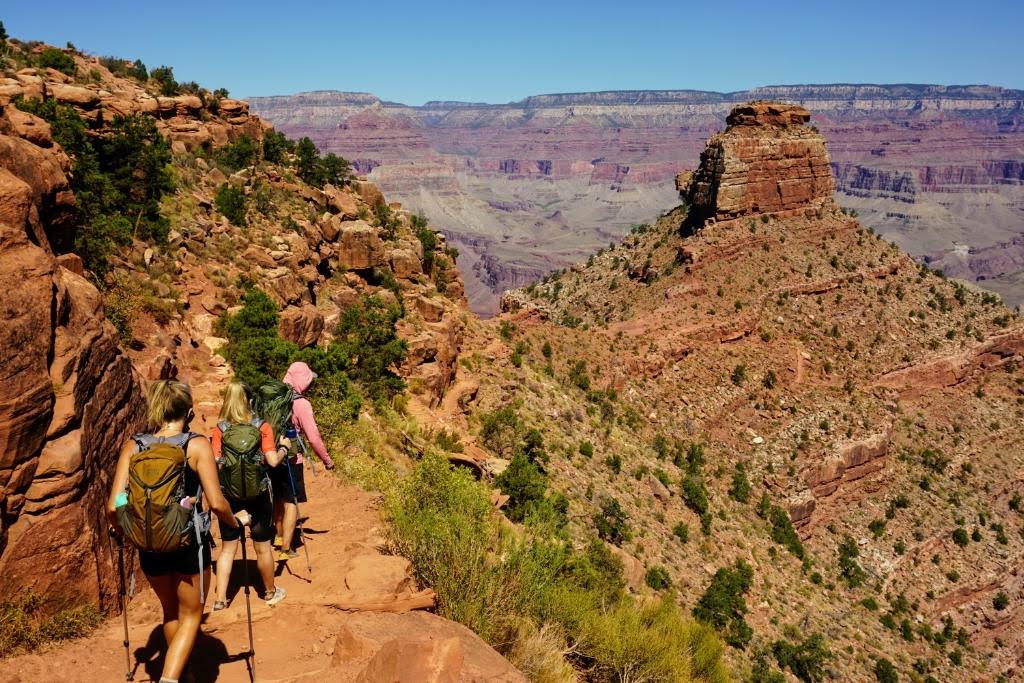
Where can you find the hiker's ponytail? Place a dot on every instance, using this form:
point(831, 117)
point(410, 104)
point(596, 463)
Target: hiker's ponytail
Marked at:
point(168, 401)
point(236, 409)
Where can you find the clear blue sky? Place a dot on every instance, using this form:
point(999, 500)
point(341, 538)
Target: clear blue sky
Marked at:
point(500, 51)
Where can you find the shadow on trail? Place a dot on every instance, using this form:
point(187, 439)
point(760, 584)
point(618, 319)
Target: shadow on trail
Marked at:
point(237, 579)
point(203, 665)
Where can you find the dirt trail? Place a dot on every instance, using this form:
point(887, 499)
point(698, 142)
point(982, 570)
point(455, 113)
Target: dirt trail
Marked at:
point(293, 641)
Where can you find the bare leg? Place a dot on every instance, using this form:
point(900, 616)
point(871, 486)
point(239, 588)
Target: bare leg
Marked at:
point(225, 561)
point(166, 591)
point(190, 614)
point(279, 517)
point(265, 564)
point(291, 515)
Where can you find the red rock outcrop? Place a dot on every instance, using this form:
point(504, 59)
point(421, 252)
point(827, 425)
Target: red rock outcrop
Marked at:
point(766, 161)
point(69, 397)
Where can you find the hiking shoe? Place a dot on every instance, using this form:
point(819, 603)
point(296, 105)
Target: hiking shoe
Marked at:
point(286, 555)
point(277, 596)
point(278, 541)
point(218, 605)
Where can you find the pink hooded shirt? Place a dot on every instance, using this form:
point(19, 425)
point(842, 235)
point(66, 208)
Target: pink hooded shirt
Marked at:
point(299, 376)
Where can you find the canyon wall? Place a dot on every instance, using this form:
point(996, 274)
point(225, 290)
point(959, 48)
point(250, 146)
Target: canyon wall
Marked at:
point(935, 168)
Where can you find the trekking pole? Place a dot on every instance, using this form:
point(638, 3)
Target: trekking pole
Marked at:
point(251, 655)
point(298, 516)
point(129, 676)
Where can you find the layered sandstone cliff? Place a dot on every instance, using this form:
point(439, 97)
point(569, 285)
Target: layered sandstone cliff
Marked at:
point(766, 161)
point(69, 395)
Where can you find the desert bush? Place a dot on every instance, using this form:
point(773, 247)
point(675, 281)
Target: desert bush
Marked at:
point(612, 523)
point(118, 179)
point(230, 201)
point(723, 605)
point(319, 171)
point(499, 430)
point(657, 578)
point(806, 659)
point(276, 147)
point(52, 58)
point(237, 155)
point(163, 78)
point(26, 623)
point(740, 488)
point(367, 345)
point(1001, 601)
point(510, 587)
point(849, 566)
point(524, 484)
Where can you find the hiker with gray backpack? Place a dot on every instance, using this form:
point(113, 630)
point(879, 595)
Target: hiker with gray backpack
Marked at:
point(244, 447)
point(161, 483)
point(289, 412)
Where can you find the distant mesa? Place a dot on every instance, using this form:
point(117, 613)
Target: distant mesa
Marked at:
point(767, 161)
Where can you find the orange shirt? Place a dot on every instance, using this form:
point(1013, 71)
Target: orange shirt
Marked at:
point(266, 439)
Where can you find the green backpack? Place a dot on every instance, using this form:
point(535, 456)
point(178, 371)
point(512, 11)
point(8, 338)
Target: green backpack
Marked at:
point(273, 403)
point(243, 476)
point(154, 519)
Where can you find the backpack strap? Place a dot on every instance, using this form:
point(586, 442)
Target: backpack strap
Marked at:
point(223, 426)
point(256, 422)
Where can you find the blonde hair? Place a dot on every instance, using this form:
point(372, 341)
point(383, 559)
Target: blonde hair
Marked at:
point(236, 408)
point(168, 401)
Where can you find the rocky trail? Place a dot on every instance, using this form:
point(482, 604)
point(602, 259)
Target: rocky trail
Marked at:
point(348, 620)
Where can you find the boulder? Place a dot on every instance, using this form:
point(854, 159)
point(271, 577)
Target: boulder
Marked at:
point(405, 263)
point(341, 202)
point(74, 95)
point(415, 646)
point(370, 194)
point(359, 246)
point(302, 326)
point(27, 126)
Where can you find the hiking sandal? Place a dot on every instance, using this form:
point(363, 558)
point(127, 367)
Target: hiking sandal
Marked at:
point(218, 605)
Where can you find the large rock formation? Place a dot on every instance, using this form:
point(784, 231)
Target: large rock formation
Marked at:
point(766, 161)
point(69, 394)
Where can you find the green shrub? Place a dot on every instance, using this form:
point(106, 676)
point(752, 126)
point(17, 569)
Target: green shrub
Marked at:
point(611, 522)
point(695, 494)
point(318, 171)
point(783, 533)
point(805, 659)
point(723, 605)
point(276, 147)
point(367, 344)
point(849, 566)
point(586, 449)
point(657, 578)
point(740, 489)
point(237, 155)
point(960, 537)
point(1000, 601)
point(52, 58)
point(118, 178)
point(524, 484)
point(230, 202)
point(499, 431)
point(739, 374)
point(682, 532)
point(163, 77)
point(614, 462)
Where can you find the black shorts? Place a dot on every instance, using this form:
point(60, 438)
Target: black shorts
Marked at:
point(262, 526)
point(283, 485)
point(184, 561)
